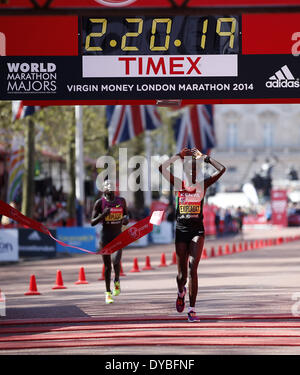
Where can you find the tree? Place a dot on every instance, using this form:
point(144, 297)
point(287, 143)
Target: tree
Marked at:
point(54, 129)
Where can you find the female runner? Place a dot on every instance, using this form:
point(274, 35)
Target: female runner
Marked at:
point(190, 234)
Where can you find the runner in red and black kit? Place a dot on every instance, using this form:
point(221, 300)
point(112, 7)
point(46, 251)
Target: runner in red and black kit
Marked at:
point(190, 233)
point(111, 210)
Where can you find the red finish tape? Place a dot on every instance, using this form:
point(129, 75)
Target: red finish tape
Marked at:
point(133, 233)
point(136, 231)
point(11, 212)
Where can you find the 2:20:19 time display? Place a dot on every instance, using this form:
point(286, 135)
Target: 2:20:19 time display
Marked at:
point(178, 35)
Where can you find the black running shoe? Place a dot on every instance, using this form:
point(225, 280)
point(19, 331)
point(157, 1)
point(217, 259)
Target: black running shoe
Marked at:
point(180, 303)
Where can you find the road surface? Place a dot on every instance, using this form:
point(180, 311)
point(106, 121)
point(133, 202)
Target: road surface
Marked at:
point(248, 301)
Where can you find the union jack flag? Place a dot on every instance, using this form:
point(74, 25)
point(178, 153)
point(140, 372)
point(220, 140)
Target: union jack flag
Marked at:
point(127, 121)
point(195, 128)
point(19, 110)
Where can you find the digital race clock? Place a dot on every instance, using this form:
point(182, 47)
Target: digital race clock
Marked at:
point(160, 46)
point(179, 35)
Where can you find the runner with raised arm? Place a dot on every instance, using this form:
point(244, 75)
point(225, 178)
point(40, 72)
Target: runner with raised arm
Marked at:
point(190, 233)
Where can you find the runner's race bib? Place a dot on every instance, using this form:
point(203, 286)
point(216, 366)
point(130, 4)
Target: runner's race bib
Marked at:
point(189, 204)
point(116, 214)
point(189, 209)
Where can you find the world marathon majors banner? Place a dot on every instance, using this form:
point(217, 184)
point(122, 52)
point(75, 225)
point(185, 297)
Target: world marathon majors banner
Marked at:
point(61, 78)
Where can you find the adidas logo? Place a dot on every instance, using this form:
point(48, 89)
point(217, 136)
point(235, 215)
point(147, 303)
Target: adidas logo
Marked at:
point(283, 78)
point(34, 236)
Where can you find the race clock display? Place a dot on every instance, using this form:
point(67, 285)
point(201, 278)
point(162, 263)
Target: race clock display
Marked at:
point(178, 35)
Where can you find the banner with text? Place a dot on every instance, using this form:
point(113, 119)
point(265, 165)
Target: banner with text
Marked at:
point(279, 205)
point(70, 78)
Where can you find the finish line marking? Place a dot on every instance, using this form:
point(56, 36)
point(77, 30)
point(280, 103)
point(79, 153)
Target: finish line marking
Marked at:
point(139, 333)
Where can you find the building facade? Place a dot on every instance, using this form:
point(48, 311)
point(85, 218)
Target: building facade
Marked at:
point(251, 135)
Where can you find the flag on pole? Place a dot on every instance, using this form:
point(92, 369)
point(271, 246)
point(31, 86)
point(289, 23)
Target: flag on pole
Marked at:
point(195, 128)
point(19, 110)
point(15, 169)
point(125, 122)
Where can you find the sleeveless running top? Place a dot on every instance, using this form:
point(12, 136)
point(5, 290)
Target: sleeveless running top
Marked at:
point(112, 223)
point(189, 210)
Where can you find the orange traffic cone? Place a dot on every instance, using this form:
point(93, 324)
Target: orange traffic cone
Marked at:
point(220, 252)
point(135, 267)
point(233, 248)
point(246, 246)
point(163, 261)
point(102, 277)
point(212, 252)
point(173, 258)
point(204, 254)
point(227, 250)
point(251, 245)
point(279, 240)
point(147, 264)
point(81, 278)
point(32, 287)
point(240, 249)
point(121, 270)
point(59, 281)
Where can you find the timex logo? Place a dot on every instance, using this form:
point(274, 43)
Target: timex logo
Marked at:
point(169, 65)
point(160, 66)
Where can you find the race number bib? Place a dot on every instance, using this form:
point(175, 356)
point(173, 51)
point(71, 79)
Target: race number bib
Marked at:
point(189, 203)
point(189, 208)
point(116, 214)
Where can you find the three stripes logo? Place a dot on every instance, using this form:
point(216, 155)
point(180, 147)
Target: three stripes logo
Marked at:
point(283, 78)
